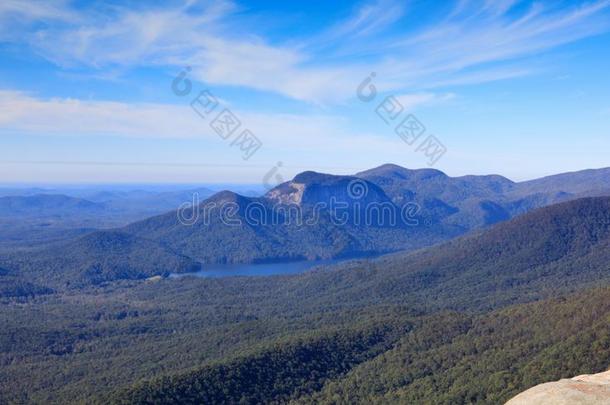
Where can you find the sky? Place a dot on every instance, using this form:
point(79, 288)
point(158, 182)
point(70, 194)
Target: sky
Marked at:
point(195, 91)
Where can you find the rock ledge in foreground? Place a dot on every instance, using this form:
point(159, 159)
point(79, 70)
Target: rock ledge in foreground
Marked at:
point(591, 389)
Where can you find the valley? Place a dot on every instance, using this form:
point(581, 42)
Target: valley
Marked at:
point(460, 301)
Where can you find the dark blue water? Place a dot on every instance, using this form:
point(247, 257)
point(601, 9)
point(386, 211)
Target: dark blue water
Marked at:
point(263, 269)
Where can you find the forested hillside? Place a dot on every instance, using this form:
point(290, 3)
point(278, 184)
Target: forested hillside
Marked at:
point(95, 258)
point(400, 327)
point(446, 359)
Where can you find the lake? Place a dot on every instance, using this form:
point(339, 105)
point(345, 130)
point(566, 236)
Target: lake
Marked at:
point(259, 269)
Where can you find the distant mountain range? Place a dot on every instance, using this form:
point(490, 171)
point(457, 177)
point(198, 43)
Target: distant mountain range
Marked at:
point(103, 203)
point(46, 204)
point(447, 207)
point(294, 221)
point(475, 201)
point(41, 215)
point(314, 216)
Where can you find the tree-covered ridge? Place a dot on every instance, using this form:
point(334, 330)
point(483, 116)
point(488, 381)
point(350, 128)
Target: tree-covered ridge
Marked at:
point(447, 358)
point(565, 246)
point(95, 258)
point(284, 371)
point(496, 357)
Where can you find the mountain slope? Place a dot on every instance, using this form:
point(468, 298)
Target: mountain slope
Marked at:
point(485, 359)
point(95, 258)
point(581, 182)
point(447, 358)
point(313, 216)
point(46, 204)
point(557, 247)
point(286, 370)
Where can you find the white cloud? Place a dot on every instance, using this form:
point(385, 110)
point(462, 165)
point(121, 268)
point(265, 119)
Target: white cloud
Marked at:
point(132, 37)
point(35, 10)
point(474, 38)
point(18, 16)
point(368, 19)
point(323, 68)
point(26, 114)
point(299, 141)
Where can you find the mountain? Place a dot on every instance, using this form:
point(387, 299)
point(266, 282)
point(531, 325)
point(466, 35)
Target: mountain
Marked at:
point(558, 247)
point(25, 191)
point(344, 216)
point(96, 258)
point(313, 216)
point(476, 201)
point(310, 188)
point(147, 203)
point(431, 183)
point(47, 204)
point(561, 246)
point(578, 183)
point(323, 216)
point(45, 217)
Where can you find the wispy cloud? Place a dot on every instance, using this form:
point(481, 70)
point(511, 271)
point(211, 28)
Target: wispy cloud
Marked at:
point(368, 19)
point(26, 114)
point(29, 115)
point(131, 37)
point(477, 42)
point(476, 38)
point(18, 17)
point(36, 10)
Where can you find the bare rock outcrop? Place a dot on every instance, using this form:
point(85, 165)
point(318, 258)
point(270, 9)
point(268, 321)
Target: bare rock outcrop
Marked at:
point(591, 389)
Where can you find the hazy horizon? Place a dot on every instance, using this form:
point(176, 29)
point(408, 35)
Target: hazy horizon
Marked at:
point(162, 186)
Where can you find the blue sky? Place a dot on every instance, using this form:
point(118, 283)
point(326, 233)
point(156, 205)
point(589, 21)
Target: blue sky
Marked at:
point(517, 88)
